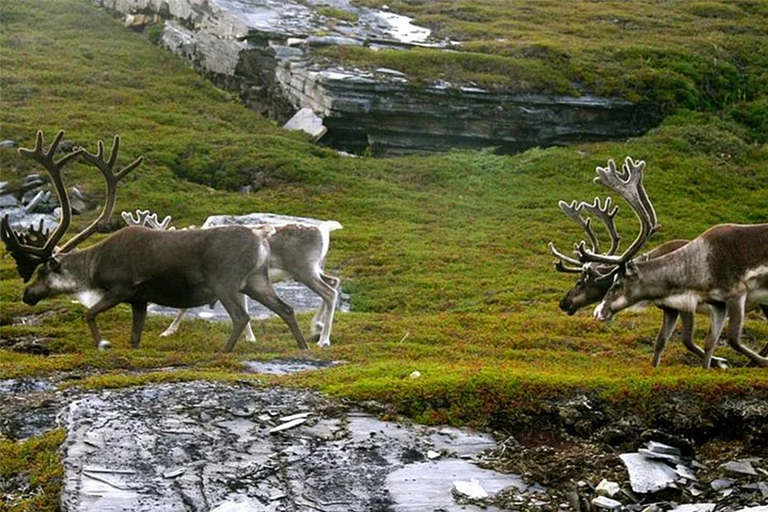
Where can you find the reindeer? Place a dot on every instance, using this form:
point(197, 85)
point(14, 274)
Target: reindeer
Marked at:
point(729, 277)
point(297, 251)
point(594, 280)
point(138, 265)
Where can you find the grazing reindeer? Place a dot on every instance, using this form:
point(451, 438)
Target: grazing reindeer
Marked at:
point(138, 265)
point(297, 251)
point(725, 268)
point(594, 281)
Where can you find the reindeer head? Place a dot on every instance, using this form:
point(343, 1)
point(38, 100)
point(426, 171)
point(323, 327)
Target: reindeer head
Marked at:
point(599, 270)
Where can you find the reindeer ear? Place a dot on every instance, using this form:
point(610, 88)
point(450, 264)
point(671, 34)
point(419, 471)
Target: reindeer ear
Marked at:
point(631, 269)
point(54, 263)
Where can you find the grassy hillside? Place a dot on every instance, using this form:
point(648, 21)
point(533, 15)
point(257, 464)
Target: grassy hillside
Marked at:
point(444, 257)
point(676, 53)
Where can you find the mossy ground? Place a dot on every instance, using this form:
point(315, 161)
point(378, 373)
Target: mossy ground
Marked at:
point(444, 256)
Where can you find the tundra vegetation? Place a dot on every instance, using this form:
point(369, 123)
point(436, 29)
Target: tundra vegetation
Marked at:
point(444, 257)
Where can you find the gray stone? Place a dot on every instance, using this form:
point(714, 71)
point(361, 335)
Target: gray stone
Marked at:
point(647, 475)
point(605, 502)
point(657, 447)
point(739, 468)
point(8, 201)
point(307, 121)
point(38, 203)
point(721, 483)
point(694, 507)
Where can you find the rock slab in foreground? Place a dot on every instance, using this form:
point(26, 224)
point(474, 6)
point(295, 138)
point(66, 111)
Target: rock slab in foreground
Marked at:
point(208, 446)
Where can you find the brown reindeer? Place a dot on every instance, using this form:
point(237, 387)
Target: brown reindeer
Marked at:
point(595, 278)
point(725, 269)
point(297, 250)
point(136, 265)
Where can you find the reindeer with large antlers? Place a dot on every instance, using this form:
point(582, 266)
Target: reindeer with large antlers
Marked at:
point(599, 271)
point(137, 265)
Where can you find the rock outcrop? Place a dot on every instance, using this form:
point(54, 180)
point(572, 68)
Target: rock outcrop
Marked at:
point(262, 49)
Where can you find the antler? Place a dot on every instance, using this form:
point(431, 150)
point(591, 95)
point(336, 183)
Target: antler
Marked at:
point(112, 179)
point(629, 184)
point(144, 218)
point(31, 250)
point(608, 217)
point(573, 211)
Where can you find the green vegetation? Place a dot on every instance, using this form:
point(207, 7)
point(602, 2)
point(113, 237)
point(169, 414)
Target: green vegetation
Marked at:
point(676, 53)
point(444, 256)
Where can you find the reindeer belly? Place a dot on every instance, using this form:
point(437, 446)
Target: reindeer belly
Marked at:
point(175, 292)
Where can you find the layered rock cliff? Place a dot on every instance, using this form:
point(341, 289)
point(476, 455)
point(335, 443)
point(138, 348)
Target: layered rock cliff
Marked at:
point(262, 49)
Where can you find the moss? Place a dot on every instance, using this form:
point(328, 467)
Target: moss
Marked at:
point(31, 473)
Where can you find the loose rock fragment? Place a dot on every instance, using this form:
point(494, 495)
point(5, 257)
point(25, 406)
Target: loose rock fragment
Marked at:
point(470, 489)
point(646, 475)
point(739, 467)
point(607, 488)
point(605, 502)
point(288, 425)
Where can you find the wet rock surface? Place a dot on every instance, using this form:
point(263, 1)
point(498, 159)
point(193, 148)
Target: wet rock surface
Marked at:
point(214, 446)
point(264, 50)
point(205, 446)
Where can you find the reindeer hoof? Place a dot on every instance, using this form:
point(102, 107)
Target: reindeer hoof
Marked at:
point(104, 345)
point(719, 362)
point(323, 343)
point(165, 334)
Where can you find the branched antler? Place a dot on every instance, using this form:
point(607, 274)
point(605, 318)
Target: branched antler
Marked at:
point(629, 184)
point(112, 179)
point(30, 250)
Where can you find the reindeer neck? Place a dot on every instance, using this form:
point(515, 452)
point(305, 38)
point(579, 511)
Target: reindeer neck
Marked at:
point(681, 270)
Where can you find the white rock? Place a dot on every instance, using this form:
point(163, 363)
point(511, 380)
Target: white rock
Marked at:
point(307, 121)
point(432, 455)
point(288, 425)
point(605, 502)
point(607, 488)
point(739, 467)
point(694, 507)
point(238, 505)
point(470, 488)
point(296, 416)
point(646, 475)
point(415, 374)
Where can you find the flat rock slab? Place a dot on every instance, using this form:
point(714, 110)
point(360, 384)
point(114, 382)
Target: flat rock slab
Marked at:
point(202, 446)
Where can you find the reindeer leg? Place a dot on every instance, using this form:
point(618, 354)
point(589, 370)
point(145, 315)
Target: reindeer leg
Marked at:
point(328, 292)
point(667, 326)
point(688, 319)
point(249, 336)
point(735, 323)
point(233, 303)
point(259, 288)
point(107, 302)
point(174, 327)
point(764, 352)
point(139, 316)
point(717, 319)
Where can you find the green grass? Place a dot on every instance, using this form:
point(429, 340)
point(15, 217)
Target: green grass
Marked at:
point(444, 256)
point(674, 54)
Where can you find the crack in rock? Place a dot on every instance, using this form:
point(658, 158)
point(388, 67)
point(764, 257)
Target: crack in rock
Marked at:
point(203, 446)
